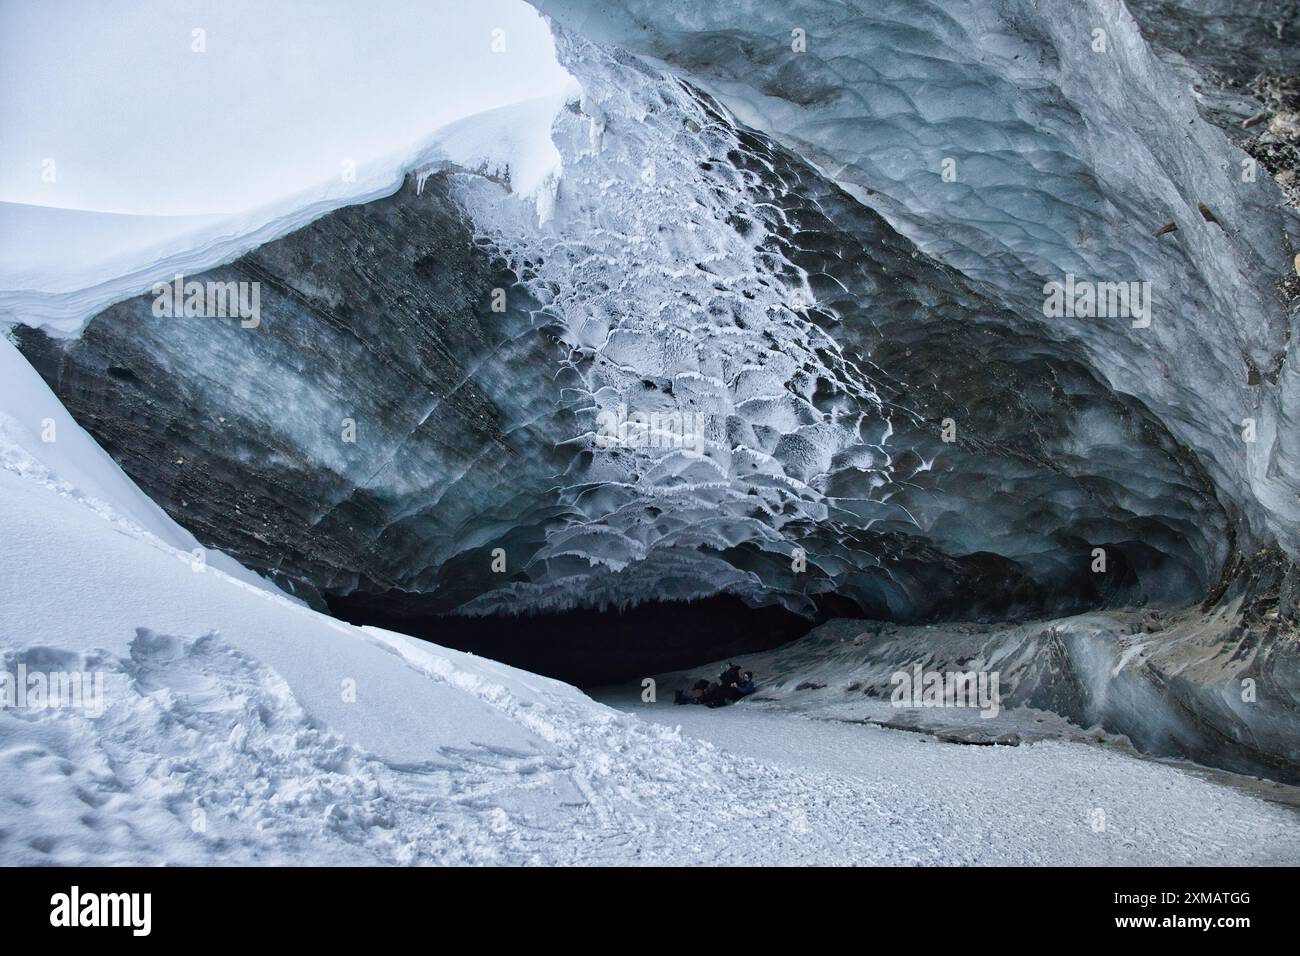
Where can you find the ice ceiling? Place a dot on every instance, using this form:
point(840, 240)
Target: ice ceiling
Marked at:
point(758, 233)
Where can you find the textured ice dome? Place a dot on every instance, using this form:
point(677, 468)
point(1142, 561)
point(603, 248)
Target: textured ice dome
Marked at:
point(719, 224)
point(1068, 159)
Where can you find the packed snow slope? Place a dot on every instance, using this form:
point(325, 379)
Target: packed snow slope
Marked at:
point(238, 726)
point(1050, 803)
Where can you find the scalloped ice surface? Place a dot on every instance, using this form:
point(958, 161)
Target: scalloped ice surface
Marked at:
point(696, 268)
point(1067, 160)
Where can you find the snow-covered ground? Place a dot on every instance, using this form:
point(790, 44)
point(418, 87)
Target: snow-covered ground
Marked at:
point(238, 726)
point(901, 798)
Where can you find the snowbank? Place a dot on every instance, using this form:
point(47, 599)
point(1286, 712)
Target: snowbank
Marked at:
point(115, 213)
point(68, 265)
point(225, 106)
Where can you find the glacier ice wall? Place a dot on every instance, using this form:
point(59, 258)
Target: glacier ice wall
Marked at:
point(698, 268)
point(688, 266)
point(1067, 159)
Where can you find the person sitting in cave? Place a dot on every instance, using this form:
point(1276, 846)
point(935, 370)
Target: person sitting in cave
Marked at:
point(740, 685)
point(718, 695)
point(732, 686)
point(695, 695)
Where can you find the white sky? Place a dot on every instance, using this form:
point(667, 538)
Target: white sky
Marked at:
point(136, 122)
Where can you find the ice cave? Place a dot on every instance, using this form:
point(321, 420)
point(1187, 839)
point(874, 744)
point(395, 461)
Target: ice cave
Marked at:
point(833, 337)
